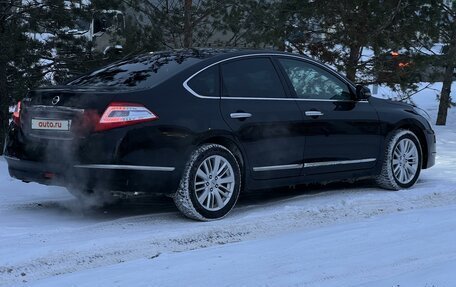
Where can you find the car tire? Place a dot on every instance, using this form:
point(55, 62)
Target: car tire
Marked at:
point(402, 161)
point(210, 184)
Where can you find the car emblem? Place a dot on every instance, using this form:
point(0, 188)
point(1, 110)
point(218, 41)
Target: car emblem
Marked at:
point(55, 100)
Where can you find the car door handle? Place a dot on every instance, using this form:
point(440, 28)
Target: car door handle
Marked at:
point(313, 113)
point(240, 115)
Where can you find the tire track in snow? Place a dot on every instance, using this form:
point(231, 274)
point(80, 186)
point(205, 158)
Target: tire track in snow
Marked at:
point(146, 236)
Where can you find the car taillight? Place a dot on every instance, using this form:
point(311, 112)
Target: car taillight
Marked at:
point(124, 114)
point(17, 113)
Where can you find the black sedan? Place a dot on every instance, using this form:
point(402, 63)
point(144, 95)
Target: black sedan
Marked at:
point(203, 125)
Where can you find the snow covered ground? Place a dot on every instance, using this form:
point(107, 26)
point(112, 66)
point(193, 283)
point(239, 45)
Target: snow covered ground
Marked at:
point(337, 235)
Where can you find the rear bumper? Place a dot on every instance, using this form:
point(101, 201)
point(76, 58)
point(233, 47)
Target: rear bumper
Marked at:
point(28, 171)
point(132, 159)
point(125, 178)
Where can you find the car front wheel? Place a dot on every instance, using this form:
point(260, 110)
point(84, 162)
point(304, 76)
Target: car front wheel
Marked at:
point(402, 161)
point(210, 184)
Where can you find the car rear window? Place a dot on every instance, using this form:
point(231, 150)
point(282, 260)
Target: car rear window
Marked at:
point(141, 72)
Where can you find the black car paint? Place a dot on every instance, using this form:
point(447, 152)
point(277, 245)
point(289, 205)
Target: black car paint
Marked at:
point(348, 130)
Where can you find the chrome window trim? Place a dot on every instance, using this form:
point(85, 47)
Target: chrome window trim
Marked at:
point(125, 167)
point(284, 99)
point(277, 167)
point(187, 87)
point(338, 162)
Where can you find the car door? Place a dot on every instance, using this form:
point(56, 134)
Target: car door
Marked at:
point(255, 105)
point(341, 133)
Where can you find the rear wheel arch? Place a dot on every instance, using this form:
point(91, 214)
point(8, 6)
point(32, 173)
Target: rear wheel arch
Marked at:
point(231, 145)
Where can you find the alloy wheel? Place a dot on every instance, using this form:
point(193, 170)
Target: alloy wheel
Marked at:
point(405, 161)
point(214, 183)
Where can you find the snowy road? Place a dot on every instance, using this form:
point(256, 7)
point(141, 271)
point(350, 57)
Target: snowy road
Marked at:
point(338, 235)
point(413, 251)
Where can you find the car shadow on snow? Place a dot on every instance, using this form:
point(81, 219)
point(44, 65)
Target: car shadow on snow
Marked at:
point(164, 204)
point(155, 205)
point(276, 195)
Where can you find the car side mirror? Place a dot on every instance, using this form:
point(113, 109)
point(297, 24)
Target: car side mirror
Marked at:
point(362, 92)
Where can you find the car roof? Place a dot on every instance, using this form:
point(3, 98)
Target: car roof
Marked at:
point(207, 53)
point(148, 64)
point(214, 55)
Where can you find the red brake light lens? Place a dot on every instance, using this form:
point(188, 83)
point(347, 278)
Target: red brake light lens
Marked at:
point(124, 114)
point(17, 113)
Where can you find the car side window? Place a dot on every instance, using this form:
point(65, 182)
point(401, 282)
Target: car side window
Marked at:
point(206, 83)
point(312, 82)
point(251, 78)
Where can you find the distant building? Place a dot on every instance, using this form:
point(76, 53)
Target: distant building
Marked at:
point(107, 30)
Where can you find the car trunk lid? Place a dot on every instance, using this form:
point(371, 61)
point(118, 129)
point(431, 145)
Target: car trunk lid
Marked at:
point(62, 112)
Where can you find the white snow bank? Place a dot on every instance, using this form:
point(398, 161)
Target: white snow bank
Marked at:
point(404, 249)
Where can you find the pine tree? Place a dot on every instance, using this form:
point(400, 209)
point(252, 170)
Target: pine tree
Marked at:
point(40, 44)
point(255, 24)
point(19, 55)
point(338, 32)
point(193, 23)
point(203, 23)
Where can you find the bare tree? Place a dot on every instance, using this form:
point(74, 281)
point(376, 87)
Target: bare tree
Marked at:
point(448, 35)
point(188, 23)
